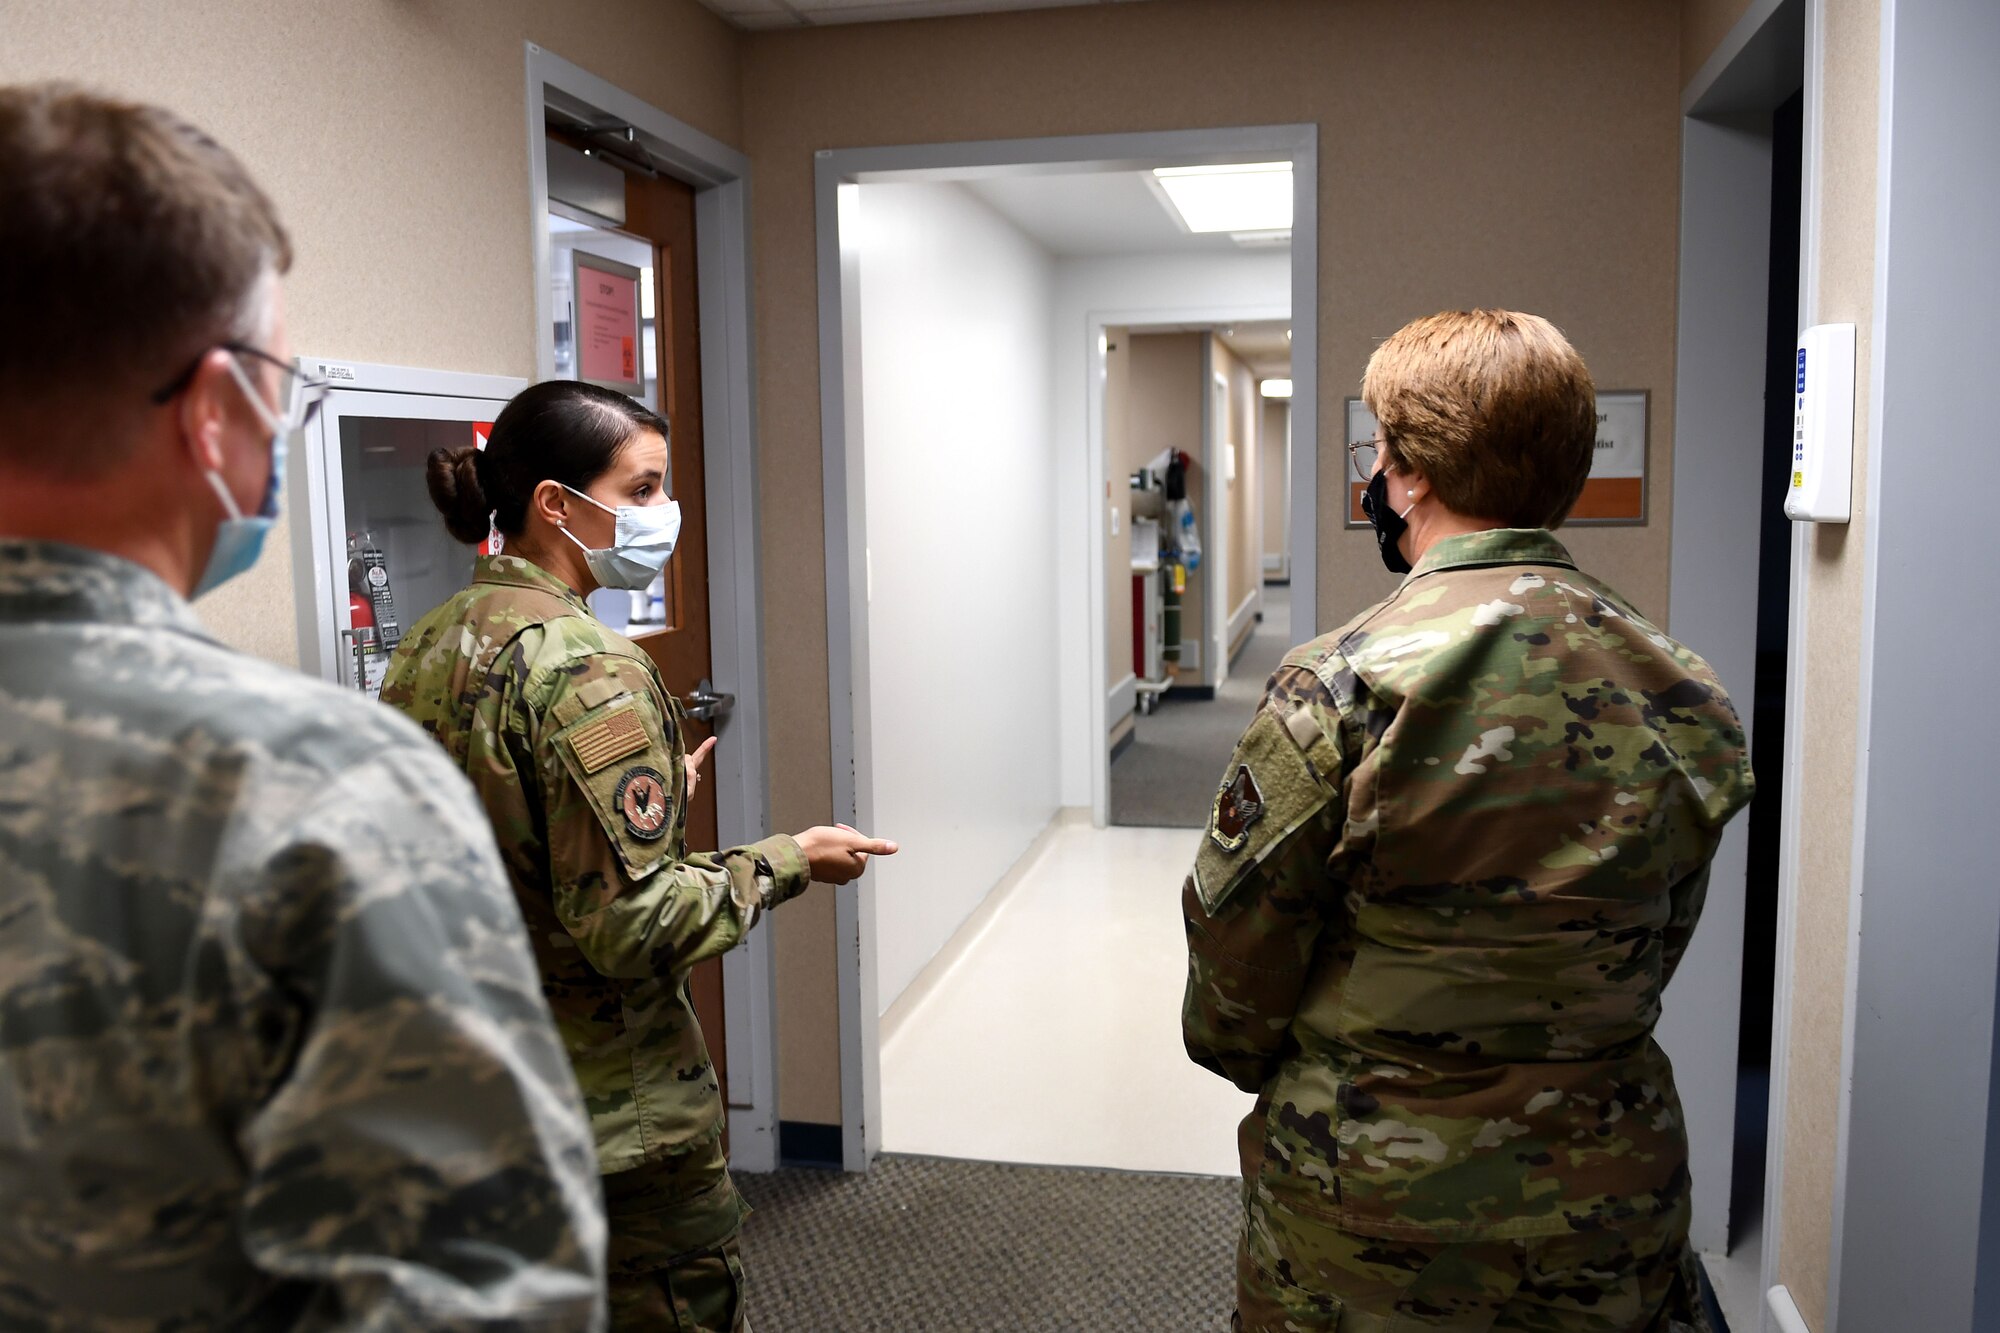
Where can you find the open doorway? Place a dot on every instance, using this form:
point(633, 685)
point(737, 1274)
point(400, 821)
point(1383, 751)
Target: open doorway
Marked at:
point(971, 294)
point(1745, 177)
point(1196, 422)
point(632, 211)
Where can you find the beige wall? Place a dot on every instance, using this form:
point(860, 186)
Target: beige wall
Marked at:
point(1521, 155)
point(1272, 476)
point(1240, 499)
point(1824, 784)
point(1704, 23)
point(392, 138)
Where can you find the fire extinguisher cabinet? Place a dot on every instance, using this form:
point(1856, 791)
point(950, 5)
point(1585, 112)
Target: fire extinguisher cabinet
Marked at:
point(370, 555)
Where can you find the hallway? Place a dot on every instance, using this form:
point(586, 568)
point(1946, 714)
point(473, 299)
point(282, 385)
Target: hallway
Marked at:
point(1055, 1037)
point(1166, 776)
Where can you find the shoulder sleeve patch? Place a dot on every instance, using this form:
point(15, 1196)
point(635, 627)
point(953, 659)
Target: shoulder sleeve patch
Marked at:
point(609, 739)
point(620, 762)
point(641, 797)
point(1239, 804)
point(1268, 793)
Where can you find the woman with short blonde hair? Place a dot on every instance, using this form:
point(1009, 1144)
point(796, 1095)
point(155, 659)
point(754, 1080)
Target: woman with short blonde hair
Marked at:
point(1448, 872)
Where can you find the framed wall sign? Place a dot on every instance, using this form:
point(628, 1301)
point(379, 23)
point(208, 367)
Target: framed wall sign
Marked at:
point(609, 337)
point(1616, 491)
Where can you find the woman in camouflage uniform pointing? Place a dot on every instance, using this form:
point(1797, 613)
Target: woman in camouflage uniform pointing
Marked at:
point(1450, 868)
point(575, 746)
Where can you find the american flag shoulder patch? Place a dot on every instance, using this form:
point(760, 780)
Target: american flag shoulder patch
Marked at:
point(609, 739)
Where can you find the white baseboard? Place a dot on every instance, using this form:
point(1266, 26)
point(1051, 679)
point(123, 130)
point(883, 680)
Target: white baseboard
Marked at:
point(753, 1147)
point(1124, 698)
point(1240, 618)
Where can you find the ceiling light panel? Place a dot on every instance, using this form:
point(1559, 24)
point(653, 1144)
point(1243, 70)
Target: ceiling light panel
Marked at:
point(1276, 388)
point(1247, 197)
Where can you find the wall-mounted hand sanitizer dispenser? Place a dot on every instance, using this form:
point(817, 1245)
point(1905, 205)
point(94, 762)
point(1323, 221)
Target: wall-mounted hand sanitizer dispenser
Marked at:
point(1822, 489)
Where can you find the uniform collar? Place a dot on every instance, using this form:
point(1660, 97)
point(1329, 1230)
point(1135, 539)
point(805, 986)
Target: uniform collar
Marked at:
point(1496, 546)
point(512, 571)
point(49, 581)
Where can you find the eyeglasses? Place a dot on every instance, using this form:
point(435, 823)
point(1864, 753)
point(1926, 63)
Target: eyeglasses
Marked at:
point(1363, 452)
point(298, 397)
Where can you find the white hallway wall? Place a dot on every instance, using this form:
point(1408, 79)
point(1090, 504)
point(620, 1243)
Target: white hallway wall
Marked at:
point(956, 308)
point(1138, 289)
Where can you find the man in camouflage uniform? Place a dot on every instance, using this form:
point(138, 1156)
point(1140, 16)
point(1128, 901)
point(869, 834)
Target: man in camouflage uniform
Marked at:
point(1451, 867)
point(273, 1052)
point(576, 747)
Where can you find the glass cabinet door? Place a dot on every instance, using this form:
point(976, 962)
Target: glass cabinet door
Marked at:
point(383, 557)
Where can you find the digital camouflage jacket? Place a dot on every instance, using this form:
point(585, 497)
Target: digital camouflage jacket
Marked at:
point(574, 744)
point(273, 1050)
point(1451, 866)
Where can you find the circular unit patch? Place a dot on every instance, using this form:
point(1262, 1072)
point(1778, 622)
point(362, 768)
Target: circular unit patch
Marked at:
point(642, 799)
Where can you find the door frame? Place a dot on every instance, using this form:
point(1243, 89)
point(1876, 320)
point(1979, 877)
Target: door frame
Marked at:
point(720, 177)
point(1719, 400)
point(836, 171)
point(1214, 441)
point(1138, 320)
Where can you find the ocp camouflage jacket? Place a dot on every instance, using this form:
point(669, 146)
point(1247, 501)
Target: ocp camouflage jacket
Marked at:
point(1452, 865)
point(574, 744)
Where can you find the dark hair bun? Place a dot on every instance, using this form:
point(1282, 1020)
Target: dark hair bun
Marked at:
point(563, 431)
point(453, 478)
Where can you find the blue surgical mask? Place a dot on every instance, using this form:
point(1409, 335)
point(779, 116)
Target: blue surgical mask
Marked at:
point(641, 543)
point(239, 539)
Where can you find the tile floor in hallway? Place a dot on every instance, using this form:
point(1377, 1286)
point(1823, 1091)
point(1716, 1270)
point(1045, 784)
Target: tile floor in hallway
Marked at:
point(1055, 1038)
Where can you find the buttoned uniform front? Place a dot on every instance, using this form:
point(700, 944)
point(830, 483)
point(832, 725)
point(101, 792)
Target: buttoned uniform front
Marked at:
point(575, 746)
point(1450, 869)
point(273, 1048)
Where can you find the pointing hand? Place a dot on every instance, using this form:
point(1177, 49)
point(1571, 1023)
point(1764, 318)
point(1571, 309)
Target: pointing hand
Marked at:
point(839, 854)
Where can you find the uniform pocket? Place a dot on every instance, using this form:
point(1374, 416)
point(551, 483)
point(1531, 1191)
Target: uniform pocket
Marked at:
point(707, 1292)
point(1267, 1303)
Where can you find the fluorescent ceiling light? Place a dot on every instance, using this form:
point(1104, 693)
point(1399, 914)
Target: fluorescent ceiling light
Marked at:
point(1263, 240)
point(1275, 388)
point(1251, 196)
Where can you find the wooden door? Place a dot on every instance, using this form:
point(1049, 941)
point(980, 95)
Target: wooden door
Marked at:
point(662, 211)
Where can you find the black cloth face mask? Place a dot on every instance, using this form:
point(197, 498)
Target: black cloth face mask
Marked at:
point(1388, 524)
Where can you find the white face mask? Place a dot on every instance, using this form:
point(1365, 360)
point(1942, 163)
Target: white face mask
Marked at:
point(641, 544)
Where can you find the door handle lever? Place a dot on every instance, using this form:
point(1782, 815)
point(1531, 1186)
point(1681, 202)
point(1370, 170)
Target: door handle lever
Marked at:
point(705, 704)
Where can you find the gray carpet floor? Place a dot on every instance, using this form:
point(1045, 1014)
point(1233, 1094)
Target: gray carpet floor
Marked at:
point(920, 1245)
point(1167, 776)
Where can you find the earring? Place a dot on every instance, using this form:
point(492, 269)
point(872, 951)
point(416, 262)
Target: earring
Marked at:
point(1411, 494)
